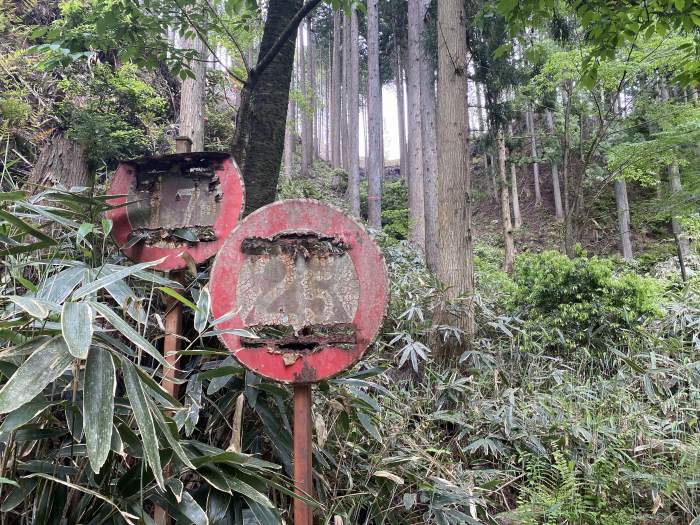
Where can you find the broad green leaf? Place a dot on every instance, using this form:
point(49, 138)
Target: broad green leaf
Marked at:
point(144, 420)
point(172, 293)
point(128, 332)
point(44, 365)
point(190, 508)
point(26, 228)
point(57, 287)
point(264, 513)
point(248, 491)
point(5, 481)
point(112, 277)
point(367, 423)
point(12, 196)
point(169, 430)
point(23, 414)
point(201, 314)
point(151, 277)
point(98, 405)
point(76, 325)
point(37, 308)
point(217, 505)
point(127, 299)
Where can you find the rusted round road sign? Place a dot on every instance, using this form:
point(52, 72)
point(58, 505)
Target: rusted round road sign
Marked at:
point(187, 202)
point(308, 281)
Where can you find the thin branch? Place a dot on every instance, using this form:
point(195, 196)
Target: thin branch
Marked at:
point(201, 35)
point(288, 31)
point(228, 33)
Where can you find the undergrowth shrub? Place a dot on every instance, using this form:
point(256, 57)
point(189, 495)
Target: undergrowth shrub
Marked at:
point(113, 114)
point(582, 301)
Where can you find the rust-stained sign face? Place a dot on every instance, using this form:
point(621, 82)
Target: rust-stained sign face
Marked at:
point(308, 281)
point(175, 203)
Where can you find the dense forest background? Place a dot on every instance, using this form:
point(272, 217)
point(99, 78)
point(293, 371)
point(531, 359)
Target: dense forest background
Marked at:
point(531, 171)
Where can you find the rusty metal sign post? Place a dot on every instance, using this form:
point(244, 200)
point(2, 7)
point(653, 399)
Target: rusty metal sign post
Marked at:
point(167, 206)
point(311, 284)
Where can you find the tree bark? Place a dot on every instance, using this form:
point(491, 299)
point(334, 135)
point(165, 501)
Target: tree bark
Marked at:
point(509, 259)
point(306, 138)
point(415, 164)
point(192, 96)
point(623, 219)
point(312, 93)
point(353, 100)
point(375, 153)
point(336, 77)
point(400, 111)
point(290, 137)
point(455, 249)
point(517, 219)
point(558, 208)
point(345, 114)
point(570, 197)
point(260, 125)
point(61, 162)
point(530, 119)
point(489, 175)
point(427, 99)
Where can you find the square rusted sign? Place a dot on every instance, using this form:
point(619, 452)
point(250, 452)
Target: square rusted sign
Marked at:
point(174, 203)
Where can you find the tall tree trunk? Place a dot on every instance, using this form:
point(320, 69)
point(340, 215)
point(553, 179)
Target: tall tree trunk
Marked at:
point(427, 99)
point(400, 111)
point(623, 219)
point(353, 100)
point(311, 93)
point(558, 208)
point(455, 250)
point(328, 108)
point(336, 79)
point(259, 137)
point(365, 133)
point(61, 162)
point(290, 137)
point(674, 178)
point(517, 219)
point(375, 153)
point(192, 96)
point(306, 131)
point(415, 150)
point(489, 175)
point(509, 260)
point(530, 119)
point(570, 198)
point(345, 114)
point(621, 201)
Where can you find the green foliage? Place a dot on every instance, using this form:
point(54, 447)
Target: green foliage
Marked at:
point(220, 116)
point(396, 221)
point(567, 303)
point(80, 380)
point(114, 115)
point(610, 25)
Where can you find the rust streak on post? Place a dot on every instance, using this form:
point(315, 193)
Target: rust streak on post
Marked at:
point(303, 453)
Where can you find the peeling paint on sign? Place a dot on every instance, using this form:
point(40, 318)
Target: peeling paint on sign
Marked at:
point(309, 281)
point(174, 203)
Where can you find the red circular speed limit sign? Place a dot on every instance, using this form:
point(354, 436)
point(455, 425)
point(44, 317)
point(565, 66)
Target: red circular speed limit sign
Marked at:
point(164, 206)
point(309, 281)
